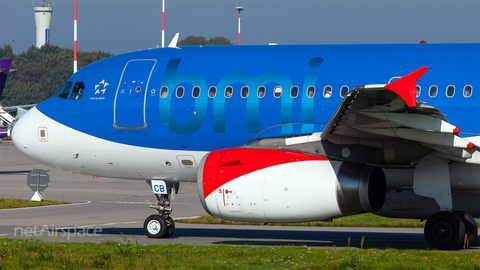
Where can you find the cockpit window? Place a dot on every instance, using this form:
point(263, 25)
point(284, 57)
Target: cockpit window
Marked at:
point(77, 91)
point(62, 93)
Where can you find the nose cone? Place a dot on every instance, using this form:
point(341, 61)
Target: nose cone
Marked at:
point(19, 134)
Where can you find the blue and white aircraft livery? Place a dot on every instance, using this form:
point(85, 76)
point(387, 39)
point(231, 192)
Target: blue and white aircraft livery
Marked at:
point(291, 133)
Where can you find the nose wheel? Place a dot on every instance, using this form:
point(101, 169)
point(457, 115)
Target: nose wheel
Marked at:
point(156, 226)
point(161, 225)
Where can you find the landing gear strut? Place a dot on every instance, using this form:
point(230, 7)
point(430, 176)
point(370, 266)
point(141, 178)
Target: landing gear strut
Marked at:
point(161, 225)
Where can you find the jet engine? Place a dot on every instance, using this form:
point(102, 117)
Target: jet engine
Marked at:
point(267, 185)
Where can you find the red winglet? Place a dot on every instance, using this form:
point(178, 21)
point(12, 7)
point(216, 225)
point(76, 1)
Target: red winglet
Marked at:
point(456, 131)
point(470, 145)
point(405, 86)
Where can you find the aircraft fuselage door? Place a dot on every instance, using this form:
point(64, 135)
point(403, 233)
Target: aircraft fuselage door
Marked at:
point(130, 99)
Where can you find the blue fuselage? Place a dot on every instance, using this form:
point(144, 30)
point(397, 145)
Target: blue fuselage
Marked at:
point(137, 98)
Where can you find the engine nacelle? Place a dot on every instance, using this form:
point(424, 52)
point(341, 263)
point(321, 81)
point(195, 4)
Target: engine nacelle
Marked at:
point(265, 185)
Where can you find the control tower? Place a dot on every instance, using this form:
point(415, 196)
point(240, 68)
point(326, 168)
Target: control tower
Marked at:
point(43, 19)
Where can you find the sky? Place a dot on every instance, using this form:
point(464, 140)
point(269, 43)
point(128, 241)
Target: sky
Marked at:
point(120, 26)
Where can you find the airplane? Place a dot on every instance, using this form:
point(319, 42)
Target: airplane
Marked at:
point(5, 118)
point(279, 133)
point(8, 114)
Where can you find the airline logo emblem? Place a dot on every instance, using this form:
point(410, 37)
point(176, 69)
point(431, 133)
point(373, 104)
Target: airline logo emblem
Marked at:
point(104, 86)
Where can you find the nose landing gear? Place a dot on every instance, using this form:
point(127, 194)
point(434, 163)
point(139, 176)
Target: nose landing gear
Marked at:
point(161, 225)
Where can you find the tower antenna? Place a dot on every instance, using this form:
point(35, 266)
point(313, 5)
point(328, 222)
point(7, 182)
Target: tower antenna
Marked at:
point(163, 23)
point(239, 8)
point(75, 40)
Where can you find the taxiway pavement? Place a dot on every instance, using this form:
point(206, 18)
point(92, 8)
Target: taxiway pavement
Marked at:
point(106, 209)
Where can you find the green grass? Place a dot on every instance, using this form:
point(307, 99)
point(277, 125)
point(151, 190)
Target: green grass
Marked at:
point(35, 254)
point(19, 203)
point(362, 220)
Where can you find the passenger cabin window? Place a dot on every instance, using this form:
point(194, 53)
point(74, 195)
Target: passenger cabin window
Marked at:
point(244, 92)
point(261, 91)
point(164, 92)
point(343, 91)
point(62, 93)
point(228, 91)
point(432, 92)
point(294, 91)
point(467, 91)
point(212, 92)
point(180, 91)
point(327, 91)
point(277, 91)
point(418, 90)
point(77, 91)
point(311, 91)
point(196, 92)
point(450, 91)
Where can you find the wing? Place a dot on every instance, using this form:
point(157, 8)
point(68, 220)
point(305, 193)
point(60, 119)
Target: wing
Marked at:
point(389, 114)
point(382, 125)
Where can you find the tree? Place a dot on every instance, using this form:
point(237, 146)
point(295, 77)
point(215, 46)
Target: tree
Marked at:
point(40, 72)
point(192, 40)
point(219, 41)
point(6, 51)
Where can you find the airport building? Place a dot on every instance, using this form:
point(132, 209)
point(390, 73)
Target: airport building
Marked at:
point(43, 19)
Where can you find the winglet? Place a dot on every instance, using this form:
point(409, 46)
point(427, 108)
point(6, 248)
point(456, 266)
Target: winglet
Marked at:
point(405, 86)
point(174, 41)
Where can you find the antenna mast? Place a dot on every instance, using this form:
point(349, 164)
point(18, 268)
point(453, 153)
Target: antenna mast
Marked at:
point(239, 8)
point(163, 23)
point(75, 40)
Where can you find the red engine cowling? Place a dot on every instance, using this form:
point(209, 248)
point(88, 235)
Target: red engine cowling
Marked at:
point(266, 185)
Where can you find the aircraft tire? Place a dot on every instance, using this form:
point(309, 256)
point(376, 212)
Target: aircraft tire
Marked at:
point(171, 227)
point(444, 230)
point(471, 229)
point(155, 226)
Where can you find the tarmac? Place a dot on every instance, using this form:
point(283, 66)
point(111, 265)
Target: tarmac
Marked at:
point(107, 209)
